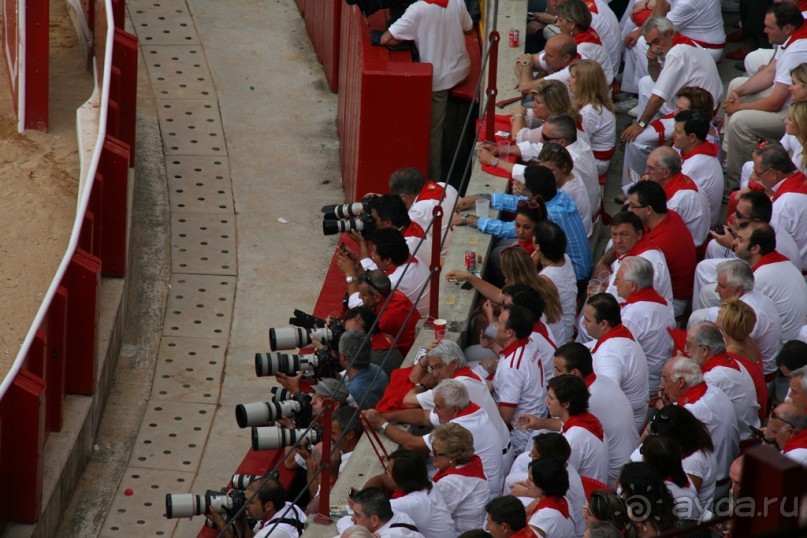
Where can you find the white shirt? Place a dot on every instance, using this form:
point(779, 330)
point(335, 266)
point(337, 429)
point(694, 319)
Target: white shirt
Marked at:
point(552, 523)
point(266, 529)
point(704, 466)
point(564, 279)
point(694, 210)
point(428, 511)
point(610, 405)
point(686, 500)
point(599, 54)
point(662, 282)
point(420, 247)
point(465, 498)
point(421, 212)
point(606, 25)
point(623, 360)
point(790, 214)
point(488, 447)
point(394, 528)
point(648, 322)
point(785, 245)
point(787, 60)
point(714, 409)
point(480, 395)
point(688, 66)
point(438, 34)
point(707, 173)
point(575, 496)
point(739, 387)
point(589, 454)
point(798, 454)
point(783, 284)
point(700, 20)
point(518, 383)
point(585, 166)
point(577, 190)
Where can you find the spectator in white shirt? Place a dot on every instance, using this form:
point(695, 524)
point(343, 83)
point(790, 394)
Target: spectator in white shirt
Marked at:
point(372, 510)
point(590, 89)
point(550, 516)
point(506, 517)
point(664, 455)
point(798, 387)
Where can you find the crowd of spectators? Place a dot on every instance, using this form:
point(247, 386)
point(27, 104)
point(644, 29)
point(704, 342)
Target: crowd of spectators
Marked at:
point(607, 395)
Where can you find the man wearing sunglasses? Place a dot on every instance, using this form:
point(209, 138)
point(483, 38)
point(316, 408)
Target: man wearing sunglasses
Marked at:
point(787, 428)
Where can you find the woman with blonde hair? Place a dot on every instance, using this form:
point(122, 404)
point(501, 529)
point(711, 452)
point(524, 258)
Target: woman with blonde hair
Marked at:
point(574, 18)
point(549, 97)
point(793, 141)
point(587, 83)
point(736, 321)
point(519, 268)
point(798, 86)
point(460, 476)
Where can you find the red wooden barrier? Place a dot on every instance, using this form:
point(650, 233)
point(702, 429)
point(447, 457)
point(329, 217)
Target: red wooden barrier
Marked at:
point(301, 5)
point(23, 445)
point(82, 279)
point(55, 355)
point(323, 22)
point(114, 167)
point(384, 103)
point(121, 122)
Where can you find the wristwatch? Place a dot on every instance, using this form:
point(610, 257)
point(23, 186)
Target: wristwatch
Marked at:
point(495, 161)
point(641, 124)
point(350, 279)
point(383, 427)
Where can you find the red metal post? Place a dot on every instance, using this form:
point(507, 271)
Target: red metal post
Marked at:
point(114, 166)
point(323, 517)
point(37, 25)
point(24, 445)
point(437, 262)
point(493, 63)
point(55, 357)
point(124, 58)
point(83, 279)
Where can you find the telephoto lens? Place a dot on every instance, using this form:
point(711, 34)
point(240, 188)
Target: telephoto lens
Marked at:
point(279, 394)
point(274, 437)
point(242, 481)
point(342, 211)
point(333, 227)
point(189, 505)
point(288, 338)
point(262, 413)
point(267, 364)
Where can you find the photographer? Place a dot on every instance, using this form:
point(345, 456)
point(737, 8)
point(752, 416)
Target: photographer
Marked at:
point(389, 211)
point(266, 504)
point(383, 354)
point(365, 381)
point(374, 288)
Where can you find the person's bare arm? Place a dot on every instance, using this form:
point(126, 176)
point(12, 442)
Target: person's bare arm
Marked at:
point(388, 41)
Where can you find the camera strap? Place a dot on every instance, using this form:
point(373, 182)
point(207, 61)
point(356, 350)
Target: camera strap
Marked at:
point(404, 526)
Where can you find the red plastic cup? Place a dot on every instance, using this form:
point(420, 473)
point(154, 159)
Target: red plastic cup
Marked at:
point(439, 329)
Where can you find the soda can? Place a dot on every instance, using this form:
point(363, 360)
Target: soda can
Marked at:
point(513, 37)
point(421, 353)
point(470, 261)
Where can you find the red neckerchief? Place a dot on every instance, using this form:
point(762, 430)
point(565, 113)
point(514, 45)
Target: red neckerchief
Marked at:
point(410, 259)
point(414, 230)
point(472, 469)
point(528, 246)
point(541, 329)
point(441, 3)
point(643, 245)
point(800, 33)
point(589, 36)
point(430, 191)
point(466, 372)
point(556, 503)
point(397, 494)
point(720, 361)
point(704, 148)
point(795, 182)
point(658, 126)
point(512, 348)
point(802, 5)
point(526, 532)
point(649, 295)
point(620, 331)
point(470, 410)
point(798, 440)
point(679, 182)
point(771, 257)
point(693, 394)
point(680, 39)
point(584, 420)
point(590, 379)
point(592, 6)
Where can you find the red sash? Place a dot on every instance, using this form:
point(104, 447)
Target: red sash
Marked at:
point(649, 295)
point(592, 6)
point(586, 421)
point(795, 182)
point(512, 349)
point(680, 39)
point(590, 379)
point(528, 246)
point(640, 17)
point(620, 331)
point(470, 410)
point(719, 361)
point(658, 125)
point(556, 503)
point(431, 190)
point(800, 33)
point(678, 182)
point(589, 36)
point(771, 257)
point(466, 372)
point(473, 469)
point(693, 394)
point(798, 440)
point(706, 45)
point(414, 230)
point(441, 3)
point(541, 329)
point(604, 155)
point(704, 148)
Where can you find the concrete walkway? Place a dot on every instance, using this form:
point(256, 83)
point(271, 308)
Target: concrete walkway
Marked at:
point(236, 131)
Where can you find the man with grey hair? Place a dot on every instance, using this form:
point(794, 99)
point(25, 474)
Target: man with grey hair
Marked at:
point(451, 404)
point(706, 346)
point(646, 314)
point(735, 279)
point(673, 61)
point(798, 387)
point(365, 381)
point(447, 361)
point(682, 384)
point(683, 195)
point(792, 431)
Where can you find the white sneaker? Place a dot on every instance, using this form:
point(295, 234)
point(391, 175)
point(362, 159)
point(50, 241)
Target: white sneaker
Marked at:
point(634, 112)
point(626, 105)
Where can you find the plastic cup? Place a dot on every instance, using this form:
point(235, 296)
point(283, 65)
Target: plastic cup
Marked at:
point(482, 207)
point(440, 329)
point(594, 287)
point(503, 147)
